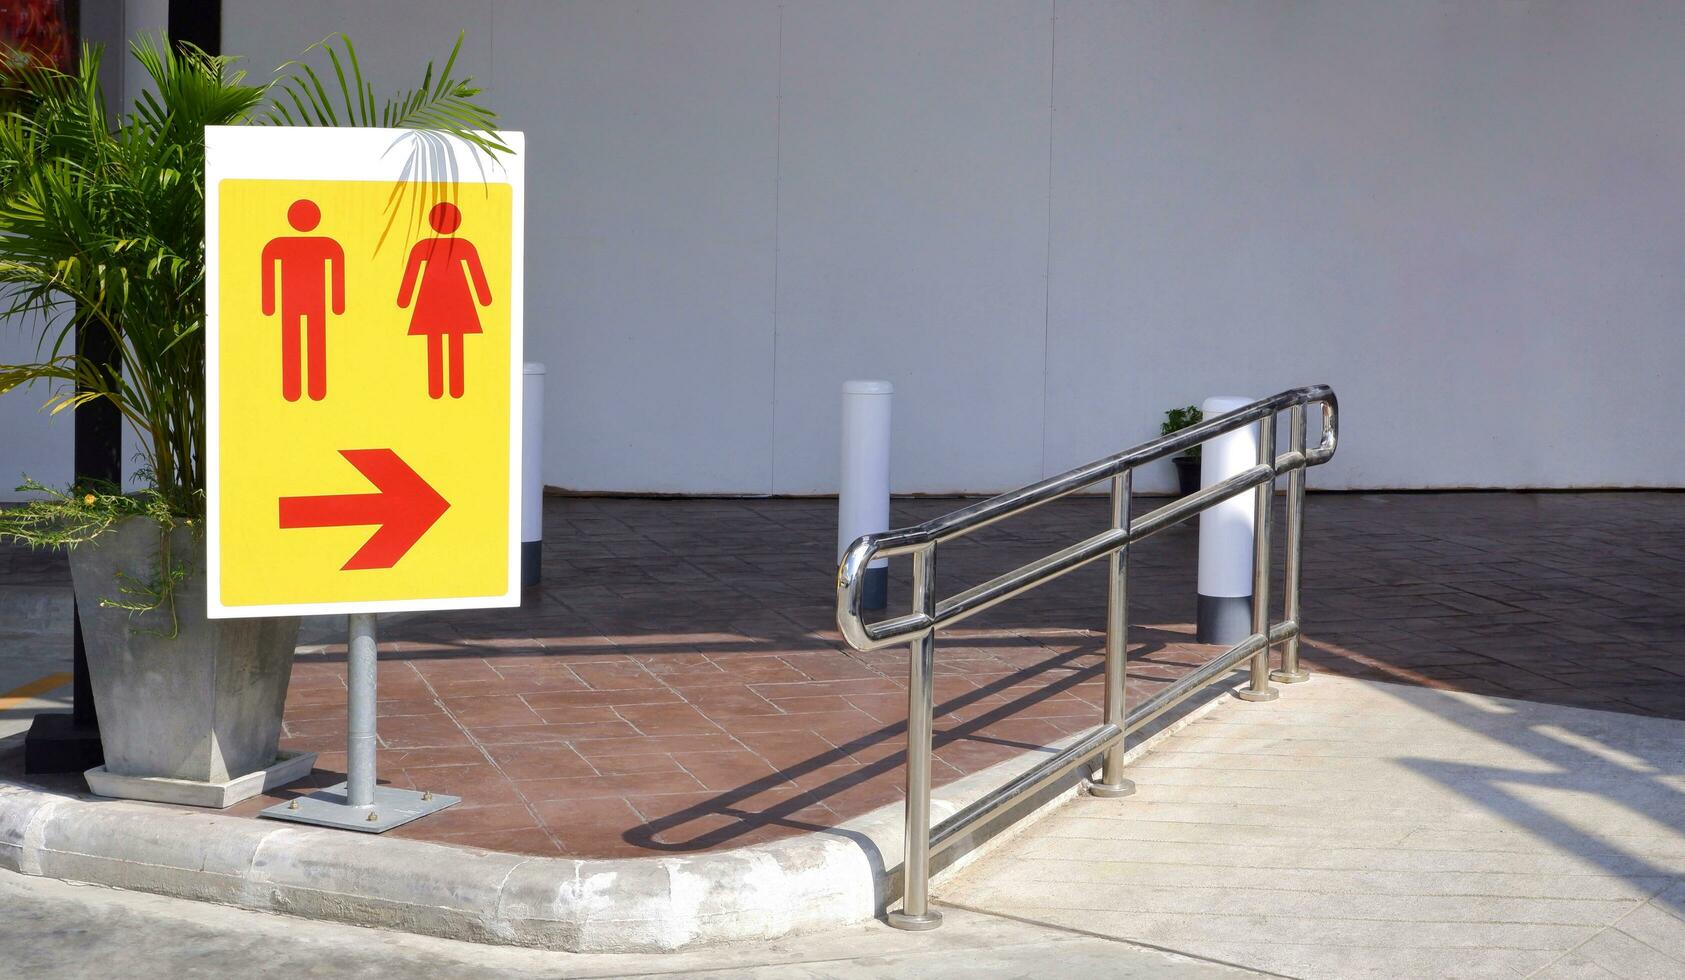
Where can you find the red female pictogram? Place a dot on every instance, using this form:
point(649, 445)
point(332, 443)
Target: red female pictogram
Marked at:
point(307, 264)
point(444, 306)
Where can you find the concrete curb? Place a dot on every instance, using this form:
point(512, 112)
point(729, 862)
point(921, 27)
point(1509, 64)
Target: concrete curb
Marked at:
point(821, 880)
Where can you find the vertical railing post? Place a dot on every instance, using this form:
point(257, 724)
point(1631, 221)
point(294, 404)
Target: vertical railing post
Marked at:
point(915, 913)
point(1112, 783)
point(1291, 672)
point(1264, 503)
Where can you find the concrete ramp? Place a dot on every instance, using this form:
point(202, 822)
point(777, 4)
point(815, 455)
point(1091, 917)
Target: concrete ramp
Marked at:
point(1363, 829)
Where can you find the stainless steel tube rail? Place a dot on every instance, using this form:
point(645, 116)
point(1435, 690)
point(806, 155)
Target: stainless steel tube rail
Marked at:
point(928, 614)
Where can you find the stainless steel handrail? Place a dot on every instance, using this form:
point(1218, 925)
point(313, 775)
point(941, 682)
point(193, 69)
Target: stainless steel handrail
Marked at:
point(929, 614)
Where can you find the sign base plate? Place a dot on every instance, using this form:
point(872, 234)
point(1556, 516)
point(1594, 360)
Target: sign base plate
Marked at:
point(392, 807)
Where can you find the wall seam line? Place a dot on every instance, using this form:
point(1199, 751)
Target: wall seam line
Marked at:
point(777, 231)
point(1047, 268)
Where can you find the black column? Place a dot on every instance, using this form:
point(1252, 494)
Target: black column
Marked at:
point(70, 743)
point(197, 22)
point(59, 742)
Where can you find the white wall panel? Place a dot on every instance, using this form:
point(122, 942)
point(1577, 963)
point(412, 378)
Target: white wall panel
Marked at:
point(1048, 222)
point(395, 38)
point(913, 235)
point(32, 443)
point(652, 172)
point(1463, 216)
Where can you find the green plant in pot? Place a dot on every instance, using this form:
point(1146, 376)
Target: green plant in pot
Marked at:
point(102, 236)
point(1187, 463)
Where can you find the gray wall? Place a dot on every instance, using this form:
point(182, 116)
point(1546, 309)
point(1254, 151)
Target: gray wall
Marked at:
point(1047, 222)
point(32, 443)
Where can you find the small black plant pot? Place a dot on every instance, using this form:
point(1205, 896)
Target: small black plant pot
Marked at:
point(1187, 473)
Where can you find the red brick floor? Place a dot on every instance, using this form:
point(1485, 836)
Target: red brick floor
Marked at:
point(1575, 599)
point(677, 683)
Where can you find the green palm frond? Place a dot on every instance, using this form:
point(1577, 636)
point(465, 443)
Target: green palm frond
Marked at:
point(442, 103)
point(442, 109)
point(102, 220)
point(102, 229)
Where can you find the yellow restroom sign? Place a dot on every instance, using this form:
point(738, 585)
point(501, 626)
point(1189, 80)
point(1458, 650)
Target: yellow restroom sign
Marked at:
point(363, 371)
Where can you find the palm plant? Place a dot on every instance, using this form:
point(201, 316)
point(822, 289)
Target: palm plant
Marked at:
point(1177, 419)
point(102, 230)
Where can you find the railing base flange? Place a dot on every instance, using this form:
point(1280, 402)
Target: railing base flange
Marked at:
point(1249, 695)
point(916, 923)
point(1295, 677)
point(1110, 791)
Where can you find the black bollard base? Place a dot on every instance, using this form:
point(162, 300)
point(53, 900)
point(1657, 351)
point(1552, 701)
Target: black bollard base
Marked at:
point(874, 588)
point(531, 554)
point(1224, 619)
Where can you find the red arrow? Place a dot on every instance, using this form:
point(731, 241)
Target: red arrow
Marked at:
point(405, 508)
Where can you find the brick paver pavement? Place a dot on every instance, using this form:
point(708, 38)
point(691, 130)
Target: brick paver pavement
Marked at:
point(677, 684)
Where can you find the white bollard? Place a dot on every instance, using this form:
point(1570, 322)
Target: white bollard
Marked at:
point(532, 472)
point(1225, 532)
point(863, 499)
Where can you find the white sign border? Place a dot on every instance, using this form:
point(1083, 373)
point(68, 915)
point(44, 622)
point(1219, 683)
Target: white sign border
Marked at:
point(327, 153)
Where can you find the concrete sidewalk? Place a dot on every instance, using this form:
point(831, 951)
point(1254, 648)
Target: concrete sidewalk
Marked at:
point(1365, 829)
point(57, 931)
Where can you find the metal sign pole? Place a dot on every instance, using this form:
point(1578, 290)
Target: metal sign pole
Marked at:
point(360, 682)
point(360, 803)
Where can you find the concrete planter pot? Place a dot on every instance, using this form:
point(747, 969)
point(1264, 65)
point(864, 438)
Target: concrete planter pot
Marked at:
point(193, 717)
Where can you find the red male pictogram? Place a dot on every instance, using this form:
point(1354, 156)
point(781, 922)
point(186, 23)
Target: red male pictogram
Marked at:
point(444, 306)
point(307, 263)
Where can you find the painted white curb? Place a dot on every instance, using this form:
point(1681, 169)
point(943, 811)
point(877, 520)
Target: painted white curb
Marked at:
point(817, 881)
